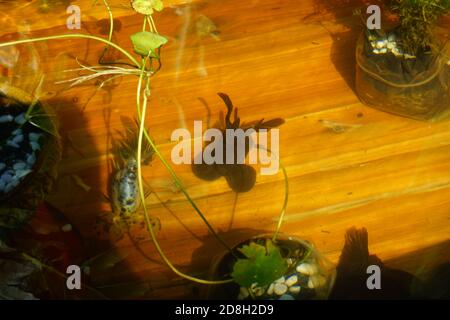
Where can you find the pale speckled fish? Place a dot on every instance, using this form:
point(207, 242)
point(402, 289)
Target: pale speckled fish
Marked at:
point(124, 197)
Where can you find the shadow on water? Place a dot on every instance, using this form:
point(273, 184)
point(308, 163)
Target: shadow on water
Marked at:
point(240, 177)
point(430, 278)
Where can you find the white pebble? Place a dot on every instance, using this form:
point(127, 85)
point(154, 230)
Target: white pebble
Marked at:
point(286, 297)
point(17, 132)
point(307, 269)
point(270, 290)
point(18, 139)
point(316, 282)
point(6, 178)
point(383, 51)
point(391, 45)
point(31, 159)
point(380, 44)
point(280, 280)
point(2, 166)
point(19, 166)
point(295, 289)
point(376, 51)
point(280, 289)
point(21, 173)
point(34, 136)
point(291, 280)
point(20, 119)
point(12, 144)
point(259, 291)
point(6, 118)
point(35, 146)
point(244, 292)
point(396, 52)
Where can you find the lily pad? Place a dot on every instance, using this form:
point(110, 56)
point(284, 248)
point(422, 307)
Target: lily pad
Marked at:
point(145, 43)
point(146, 7)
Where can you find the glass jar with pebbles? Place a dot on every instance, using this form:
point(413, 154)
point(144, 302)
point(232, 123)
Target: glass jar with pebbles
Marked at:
point(29, 153)
point(404, 70)
point(286, 268)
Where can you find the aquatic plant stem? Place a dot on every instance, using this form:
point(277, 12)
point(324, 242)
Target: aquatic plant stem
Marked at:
point(286, 197)
point(153, 24)
point(74, 36)
point(111, 29)
point(111, 20)
point(142, 195)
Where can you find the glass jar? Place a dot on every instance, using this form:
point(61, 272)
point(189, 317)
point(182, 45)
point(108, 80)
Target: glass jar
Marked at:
point(390, 83)
point(309, 275)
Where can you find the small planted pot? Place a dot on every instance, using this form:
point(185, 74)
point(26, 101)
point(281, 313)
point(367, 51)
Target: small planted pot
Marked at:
point(393, 81)
point(30, 151)
point(306, 274)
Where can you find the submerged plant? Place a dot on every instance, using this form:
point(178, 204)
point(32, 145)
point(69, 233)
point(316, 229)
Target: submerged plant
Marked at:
point(417, 21)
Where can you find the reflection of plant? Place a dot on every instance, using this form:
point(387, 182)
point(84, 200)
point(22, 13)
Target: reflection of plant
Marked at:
point(417, 20)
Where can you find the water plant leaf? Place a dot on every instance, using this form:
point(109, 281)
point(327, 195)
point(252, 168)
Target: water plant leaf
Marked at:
point(146, 7)
point(145, 43)
point(263, 265)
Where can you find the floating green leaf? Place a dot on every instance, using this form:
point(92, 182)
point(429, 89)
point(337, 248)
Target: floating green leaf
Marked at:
point(263, 265)
point(145, 43)
point(146, 7)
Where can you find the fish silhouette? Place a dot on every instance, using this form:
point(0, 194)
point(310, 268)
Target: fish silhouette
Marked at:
point(240, 177)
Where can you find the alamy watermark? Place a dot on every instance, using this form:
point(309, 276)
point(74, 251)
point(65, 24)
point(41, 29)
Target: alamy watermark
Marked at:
point(73, 281)
point(74, 20)
point(374, 280)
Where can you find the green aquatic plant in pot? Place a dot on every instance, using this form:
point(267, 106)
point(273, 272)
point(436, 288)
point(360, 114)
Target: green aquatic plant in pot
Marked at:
point(404, 69)
point(30, 151)
point(273, 267)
